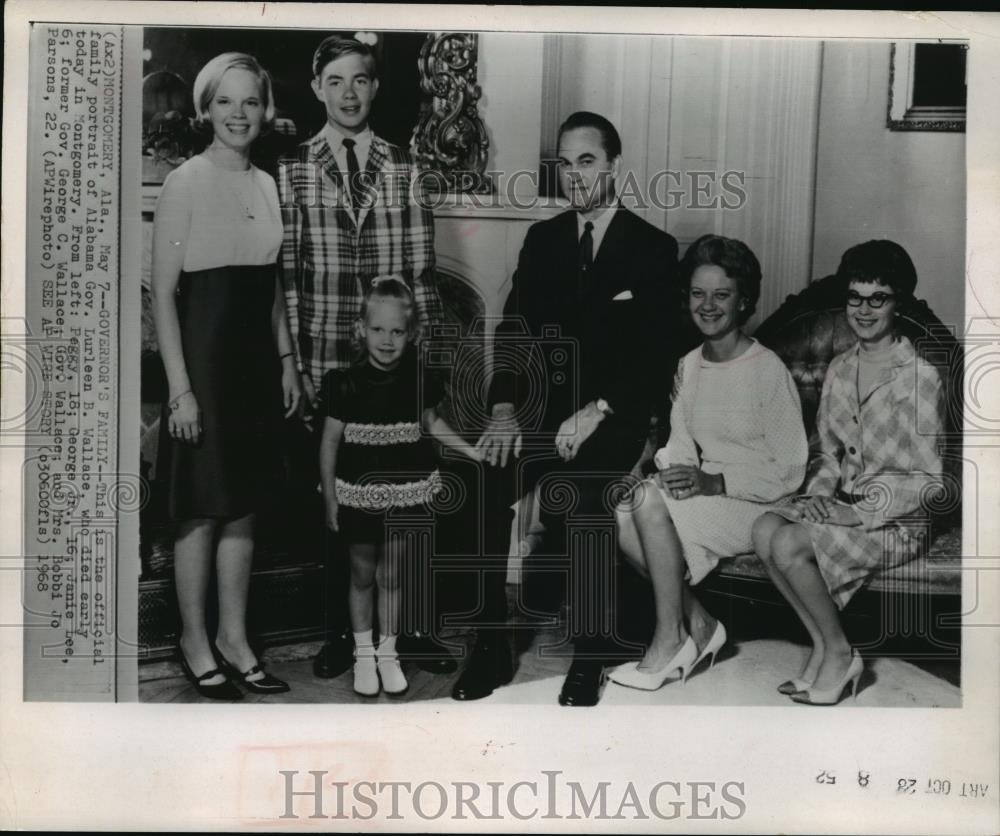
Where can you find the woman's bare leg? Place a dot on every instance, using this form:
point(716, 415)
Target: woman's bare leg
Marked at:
point(192, 565)
point(628, 535)
point(764, 530)
point(700, 622)
point(792, 552)
point(665, 565)
point(234, 559)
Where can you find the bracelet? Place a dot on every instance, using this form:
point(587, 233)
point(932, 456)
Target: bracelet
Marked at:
point(286, 354)
point(175, 403)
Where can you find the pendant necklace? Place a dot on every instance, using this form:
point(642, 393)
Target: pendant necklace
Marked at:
point(246, 182)
point(240, 192)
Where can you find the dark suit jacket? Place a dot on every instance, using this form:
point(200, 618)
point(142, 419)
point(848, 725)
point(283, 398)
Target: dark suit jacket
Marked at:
point(621, 349)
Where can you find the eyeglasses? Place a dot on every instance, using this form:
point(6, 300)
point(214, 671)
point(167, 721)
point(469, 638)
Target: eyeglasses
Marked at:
point(875, 301)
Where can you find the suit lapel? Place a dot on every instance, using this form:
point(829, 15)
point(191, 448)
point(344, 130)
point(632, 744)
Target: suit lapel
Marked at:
point(569, 235)
point(610, 274)
point(850, 380)
point(614, 238)
point(900, 358)
point(567, 240)
point(322, 153)
point(374, 170)
point(886, 376)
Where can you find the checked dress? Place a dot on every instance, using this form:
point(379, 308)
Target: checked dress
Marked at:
point(887, 443)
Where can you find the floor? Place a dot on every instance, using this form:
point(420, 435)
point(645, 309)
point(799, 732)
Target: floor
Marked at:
point(745, 674)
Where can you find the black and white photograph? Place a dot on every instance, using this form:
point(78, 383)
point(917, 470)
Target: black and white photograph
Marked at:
point(458, 420)
point(756, 483)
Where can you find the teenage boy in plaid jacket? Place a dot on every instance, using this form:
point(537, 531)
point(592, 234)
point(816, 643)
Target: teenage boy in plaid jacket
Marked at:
point(351, 211)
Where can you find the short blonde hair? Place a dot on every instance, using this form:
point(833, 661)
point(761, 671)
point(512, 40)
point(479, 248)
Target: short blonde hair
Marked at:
point(210, 77)
point(378, 289)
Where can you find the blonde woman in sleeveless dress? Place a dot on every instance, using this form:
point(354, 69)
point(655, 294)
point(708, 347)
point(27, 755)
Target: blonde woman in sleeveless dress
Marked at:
point(230, 366)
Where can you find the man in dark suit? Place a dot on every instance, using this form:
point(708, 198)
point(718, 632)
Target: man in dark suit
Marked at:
point(591, 309)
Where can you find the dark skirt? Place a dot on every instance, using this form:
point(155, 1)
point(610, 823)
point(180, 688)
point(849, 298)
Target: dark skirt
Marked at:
point(235, 374)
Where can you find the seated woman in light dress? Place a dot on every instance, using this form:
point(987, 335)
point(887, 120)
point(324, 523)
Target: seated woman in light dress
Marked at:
point(881, 415)
point(737, 444)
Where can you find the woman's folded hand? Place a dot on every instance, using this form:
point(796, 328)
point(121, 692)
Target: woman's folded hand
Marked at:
point(825, 509)
point(684, 481)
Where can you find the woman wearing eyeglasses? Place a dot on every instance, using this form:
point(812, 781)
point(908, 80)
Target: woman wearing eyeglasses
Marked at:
point(863, 509)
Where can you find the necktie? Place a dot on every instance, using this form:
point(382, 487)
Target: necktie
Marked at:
point(587, 247)
point(353, 174)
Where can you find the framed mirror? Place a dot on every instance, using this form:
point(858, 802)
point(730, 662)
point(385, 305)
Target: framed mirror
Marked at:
point(927, 85)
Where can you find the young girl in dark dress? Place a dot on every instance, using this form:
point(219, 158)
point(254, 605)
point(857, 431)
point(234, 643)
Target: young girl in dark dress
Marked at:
point(375, 462)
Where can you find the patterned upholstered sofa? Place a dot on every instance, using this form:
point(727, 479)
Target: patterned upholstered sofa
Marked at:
point(807, 331)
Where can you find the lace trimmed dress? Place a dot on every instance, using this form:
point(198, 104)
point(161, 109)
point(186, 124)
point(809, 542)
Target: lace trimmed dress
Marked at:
point(385, 464)
point(224, 300)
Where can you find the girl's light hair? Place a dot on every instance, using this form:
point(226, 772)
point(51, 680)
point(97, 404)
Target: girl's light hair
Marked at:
point(379, 289)
point(210, 77)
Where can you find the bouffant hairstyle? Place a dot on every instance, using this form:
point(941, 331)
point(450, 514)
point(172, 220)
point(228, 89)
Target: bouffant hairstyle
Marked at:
point(210, 77)
point(610, 140)
point(882, 262)
point(337, 46)
point(735, 258)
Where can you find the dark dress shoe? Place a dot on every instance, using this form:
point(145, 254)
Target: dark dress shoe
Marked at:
point(335, 657)
point(224, 690)
point(490, 666)
point(265, 684)
point(429, 654)
point(583, 683)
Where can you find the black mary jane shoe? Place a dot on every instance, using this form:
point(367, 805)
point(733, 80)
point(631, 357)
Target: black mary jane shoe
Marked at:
point(224, 690)
point(267, 684)
point(583, 683)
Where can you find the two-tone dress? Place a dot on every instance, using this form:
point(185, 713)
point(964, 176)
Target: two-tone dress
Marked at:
point(224, 305)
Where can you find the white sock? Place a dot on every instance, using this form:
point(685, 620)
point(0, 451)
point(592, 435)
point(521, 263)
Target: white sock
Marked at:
point(393, 679)
point(363, 643)
point(365, 677)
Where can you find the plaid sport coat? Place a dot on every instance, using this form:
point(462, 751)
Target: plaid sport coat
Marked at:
point(889, 439)
point(329, 254)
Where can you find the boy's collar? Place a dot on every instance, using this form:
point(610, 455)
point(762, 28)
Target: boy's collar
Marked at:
point(335, 137)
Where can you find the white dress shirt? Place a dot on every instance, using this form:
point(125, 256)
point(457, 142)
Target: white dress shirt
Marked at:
point(362, 145)
point(601, 223)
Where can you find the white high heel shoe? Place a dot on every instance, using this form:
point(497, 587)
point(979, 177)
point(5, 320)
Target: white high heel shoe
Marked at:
point(630, 675)
point(832, 696)
point(715, 644)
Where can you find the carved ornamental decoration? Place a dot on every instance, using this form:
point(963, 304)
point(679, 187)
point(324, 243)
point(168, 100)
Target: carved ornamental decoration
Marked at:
point(450, 138)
